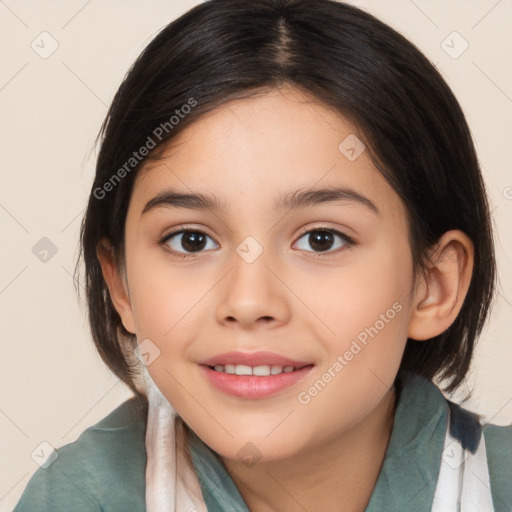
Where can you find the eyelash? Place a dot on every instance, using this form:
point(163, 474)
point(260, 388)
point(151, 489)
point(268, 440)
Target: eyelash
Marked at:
point(348, 241)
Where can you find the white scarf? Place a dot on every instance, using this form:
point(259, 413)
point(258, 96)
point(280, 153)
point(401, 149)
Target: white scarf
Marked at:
point(171, 481)
point(463, 484)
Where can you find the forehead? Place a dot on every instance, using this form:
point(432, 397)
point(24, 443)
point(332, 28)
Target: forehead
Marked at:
point(256, 149)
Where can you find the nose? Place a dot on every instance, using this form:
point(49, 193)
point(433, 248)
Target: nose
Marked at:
point(253, 295)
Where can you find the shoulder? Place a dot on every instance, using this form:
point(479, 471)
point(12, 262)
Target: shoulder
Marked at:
point(103, 470)
point(471, 431)
point(426, 400)
point(498, 445)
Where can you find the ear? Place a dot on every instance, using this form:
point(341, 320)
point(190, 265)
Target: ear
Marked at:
point(116, 282)
point(439, 298)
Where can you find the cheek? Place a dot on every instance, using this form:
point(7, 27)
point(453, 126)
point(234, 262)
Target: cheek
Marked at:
point(369, 315)
point(163, 298)
point(353, 298)
point(367, 309)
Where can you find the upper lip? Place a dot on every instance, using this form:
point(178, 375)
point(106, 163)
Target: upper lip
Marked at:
point(253, 359)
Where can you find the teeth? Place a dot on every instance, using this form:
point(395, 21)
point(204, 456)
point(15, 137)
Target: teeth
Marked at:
point(229, 368)
point(261, 371)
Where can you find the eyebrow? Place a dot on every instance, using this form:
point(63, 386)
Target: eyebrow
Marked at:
point(288, 201)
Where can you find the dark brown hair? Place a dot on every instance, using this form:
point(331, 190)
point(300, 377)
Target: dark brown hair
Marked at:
point(407, 116)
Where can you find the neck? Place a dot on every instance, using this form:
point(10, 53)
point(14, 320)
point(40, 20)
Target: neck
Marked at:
point(339, 474)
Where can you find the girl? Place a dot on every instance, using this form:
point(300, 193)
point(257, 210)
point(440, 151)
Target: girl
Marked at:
point(286, 241)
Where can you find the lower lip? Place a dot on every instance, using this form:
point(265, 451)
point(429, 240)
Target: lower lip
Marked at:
point(254, 387)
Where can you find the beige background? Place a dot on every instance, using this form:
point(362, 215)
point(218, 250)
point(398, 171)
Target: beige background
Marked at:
point(53, 384)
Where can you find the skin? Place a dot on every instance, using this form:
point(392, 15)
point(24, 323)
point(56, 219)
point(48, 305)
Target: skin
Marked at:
point(287, 301)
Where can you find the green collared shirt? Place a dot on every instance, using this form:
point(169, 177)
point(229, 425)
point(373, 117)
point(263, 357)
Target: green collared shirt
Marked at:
point(104, 469)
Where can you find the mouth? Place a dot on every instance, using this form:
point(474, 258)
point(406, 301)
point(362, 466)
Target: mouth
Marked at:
point(254, 382)
point(258, 371)
point(230, 361)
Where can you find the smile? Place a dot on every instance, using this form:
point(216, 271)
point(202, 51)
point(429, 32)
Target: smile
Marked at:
point(262, 371)
point(253, 382)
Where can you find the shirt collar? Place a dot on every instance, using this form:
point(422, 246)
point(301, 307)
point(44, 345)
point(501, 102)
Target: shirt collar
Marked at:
point(408, 477)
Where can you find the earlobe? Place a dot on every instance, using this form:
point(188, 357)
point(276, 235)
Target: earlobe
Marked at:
point(440, 295)
point(117, 288)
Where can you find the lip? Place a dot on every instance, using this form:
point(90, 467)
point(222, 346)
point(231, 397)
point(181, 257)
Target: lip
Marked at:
point(254, 359)
point(254, 387)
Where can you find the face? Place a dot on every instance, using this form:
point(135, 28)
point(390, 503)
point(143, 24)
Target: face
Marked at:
point(324, 283)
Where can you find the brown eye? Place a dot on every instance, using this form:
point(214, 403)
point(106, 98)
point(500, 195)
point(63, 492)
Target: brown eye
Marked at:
point(187, 242)
point(323, 240)
point(320, 240)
